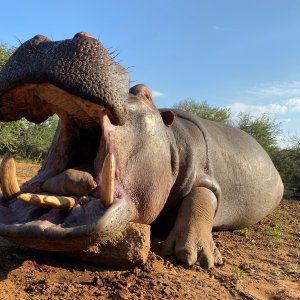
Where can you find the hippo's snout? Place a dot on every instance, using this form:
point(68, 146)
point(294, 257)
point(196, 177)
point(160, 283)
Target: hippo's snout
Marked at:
point(82, 66)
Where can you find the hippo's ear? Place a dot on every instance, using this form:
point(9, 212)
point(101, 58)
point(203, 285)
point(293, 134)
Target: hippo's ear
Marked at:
point(168, 117)
point(144, 92)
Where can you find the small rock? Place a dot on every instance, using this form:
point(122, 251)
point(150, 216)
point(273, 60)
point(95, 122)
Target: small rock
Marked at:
point(166, 291)
point(127, 249)
point(95, 281)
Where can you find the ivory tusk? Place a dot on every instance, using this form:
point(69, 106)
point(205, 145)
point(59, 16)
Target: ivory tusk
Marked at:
point(8, 177)
point(24, 197)
point(60, 202)
point(34, 199)
point(108, 180)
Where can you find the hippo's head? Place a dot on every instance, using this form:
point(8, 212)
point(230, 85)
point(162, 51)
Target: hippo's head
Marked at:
point(115, 131)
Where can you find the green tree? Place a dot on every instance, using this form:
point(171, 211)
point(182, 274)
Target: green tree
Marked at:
point(263, 128)
point(287, 162)
point(5, 53)
point(35, 139)
point(9, 132)
point(205, 111)
point(10, 135)
point(27, 140)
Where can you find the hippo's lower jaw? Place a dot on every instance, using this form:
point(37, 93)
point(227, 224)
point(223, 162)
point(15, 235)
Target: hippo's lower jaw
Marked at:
point(83, 137)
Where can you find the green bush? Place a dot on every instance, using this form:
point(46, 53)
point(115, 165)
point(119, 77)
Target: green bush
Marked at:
point(5, 53)
point(287, 162)
point(205, 111)
point(263, 128)
point(27, 140)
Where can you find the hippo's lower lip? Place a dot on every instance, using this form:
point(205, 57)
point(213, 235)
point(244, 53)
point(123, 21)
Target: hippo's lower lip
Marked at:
point(83, 136)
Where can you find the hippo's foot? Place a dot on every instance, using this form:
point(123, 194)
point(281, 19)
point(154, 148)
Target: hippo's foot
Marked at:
point(191, 247)
point(190, 239)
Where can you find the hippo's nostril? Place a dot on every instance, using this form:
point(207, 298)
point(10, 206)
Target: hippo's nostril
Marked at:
point(83, 35)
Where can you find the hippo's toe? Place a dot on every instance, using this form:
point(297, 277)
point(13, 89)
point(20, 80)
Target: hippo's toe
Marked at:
point(190, 249)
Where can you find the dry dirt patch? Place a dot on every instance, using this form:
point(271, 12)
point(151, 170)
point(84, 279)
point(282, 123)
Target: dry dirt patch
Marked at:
point(261, 262)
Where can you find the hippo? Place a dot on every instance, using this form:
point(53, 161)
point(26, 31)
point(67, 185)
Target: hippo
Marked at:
point(115, 158)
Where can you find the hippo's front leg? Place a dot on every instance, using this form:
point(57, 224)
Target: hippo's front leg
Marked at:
point(191, 238)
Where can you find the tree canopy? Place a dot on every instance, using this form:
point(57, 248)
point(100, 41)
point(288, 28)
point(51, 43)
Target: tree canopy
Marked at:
point(5, 53)
point(27, 140)
point(263, 128)
point(204, 110)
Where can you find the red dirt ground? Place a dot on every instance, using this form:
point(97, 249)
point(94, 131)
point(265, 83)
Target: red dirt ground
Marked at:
point(260, 262)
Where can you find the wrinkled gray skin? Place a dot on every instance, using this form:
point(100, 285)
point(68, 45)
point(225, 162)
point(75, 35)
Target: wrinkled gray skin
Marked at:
point(192, 174)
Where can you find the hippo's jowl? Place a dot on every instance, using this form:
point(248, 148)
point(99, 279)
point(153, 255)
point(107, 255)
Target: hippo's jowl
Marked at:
point(116, 158)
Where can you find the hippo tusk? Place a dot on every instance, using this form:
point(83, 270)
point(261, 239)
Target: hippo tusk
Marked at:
point(9, 183)
point(38, 200)
point(34, 199)
point(108, 180)
point(60, 202)
point(25, 197)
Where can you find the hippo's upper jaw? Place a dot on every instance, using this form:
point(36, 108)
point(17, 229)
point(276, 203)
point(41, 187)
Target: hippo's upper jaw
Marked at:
point(43, 78)
point(81, 66)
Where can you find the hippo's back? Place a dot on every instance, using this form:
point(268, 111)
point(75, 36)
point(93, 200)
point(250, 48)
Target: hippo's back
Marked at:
point(250, 185)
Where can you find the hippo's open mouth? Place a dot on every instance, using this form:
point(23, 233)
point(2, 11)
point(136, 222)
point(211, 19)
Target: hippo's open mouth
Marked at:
point(96, 202)
point(93, 201)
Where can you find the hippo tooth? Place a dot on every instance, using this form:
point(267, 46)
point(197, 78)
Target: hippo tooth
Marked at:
point(60, 202)
point(25, 197)
point(83, 200)
point(44, 200)
point(9, 183)
point(34, 199)
point(108, 180)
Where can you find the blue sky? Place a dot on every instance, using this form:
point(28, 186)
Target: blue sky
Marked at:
point(239, 54)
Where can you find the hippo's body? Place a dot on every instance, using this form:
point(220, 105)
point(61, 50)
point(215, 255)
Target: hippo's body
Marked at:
point(140, 163)
point(229, 162)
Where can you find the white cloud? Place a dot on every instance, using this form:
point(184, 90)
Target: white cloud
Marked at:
point(157, 94)
point(294, 104)
point(288, 106)
point(285, 120)
point(257, 110)
point(276, 89)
